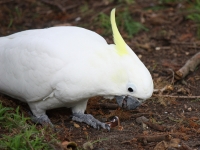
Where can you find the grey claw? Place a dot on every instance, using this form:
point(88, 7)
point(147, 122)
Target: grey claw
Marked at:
point(107, 127)
point(90, 120)
point(43, 120)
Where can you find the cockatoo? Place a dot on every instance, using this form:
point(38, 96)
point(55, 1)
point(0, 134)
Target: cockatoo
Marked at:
point(65, 66)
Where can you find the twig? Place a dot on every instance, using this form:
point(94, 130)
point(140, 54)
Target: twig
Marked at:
point(166, 88)
point(173, 96)
point(185, 147)
point(108, 105)
point(183, 43)
point(194, 47)
point(154, 138)
point(160, 90)
point(156, 126)
point(6, 1)
point(142, 114)
point(172, 82)
point(102, 11)
point(58, 5)
point(190, 65)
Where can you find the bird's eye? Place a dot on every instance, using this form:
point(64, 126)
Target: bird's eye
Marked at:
point(130, 89)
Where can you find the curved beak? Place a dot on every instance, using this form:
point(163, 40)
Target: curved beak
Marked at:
point(127, 102)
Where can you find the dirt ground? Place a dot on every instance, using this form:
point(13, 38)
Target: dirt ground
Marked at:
point(161, 122)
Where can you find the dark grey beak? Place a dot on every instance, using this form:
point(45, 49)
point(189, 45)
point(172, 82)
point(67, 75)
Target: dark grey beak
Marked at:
point(127, 102)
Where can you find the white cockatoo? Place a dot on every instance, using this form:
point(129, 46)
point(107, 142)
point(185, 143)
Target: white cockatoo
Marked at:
point(65, 66)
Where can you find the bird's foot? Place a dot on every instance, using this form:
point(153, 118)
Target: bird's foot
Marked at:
point(90, 120)
point(43, 120)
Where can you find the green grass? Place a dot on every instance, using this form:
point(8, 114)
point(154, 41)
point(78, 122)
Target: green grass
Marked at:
point(17, 134)
point(195, 15)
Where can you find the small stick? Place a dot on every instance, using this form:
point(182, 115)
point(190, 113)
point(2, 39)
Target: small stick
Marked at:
point(160, 90)
point(58, 5)
point(142, 114)
point(6, 1)
point(172, 82)
point(156, 126)
point(189, 97)
point(190, 65)
point(183, 43)
point(154, 138)
point(108, 106)
point(185, 147)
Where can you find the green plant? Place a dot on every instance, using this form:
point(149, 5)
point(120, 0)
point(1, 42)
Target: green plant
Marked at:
point(195, 15)
point(132, 27)
point(18, 134)
point(18, 11)
point(103, 21)
point(124, 21)
point(84, 8)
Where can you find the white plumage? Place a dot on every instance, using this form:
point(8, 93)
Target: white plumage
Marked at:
point(64, 66)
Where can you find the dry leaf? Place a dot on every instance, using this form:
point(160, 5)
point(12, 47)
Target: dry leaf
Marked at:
point(69, 145)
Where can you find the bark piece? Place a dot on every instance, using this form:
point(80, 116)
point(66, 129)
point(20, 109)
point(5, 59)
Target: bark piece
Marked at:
point(154, 138)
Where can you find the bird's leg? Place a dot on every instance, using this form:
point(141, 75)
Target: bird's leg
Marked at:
point(43, 120)
point(90, 120)
point(38, 115)
point(79, 116)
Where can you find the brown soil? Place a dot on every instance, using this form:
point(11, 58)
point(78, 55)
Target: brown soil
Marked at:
point(171, 40)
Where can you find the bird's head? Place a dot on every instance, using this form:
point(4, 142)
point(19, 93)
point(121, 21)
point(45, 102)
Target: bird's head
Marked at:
point(137, 85)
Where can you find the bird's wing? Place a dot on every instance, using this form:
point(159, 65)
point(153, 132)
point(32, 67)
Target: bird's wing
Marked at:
point(30, 60)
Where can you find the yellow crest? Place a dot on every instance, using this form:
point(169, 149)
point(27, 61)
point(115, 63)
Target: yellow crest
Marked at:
point(119, 41)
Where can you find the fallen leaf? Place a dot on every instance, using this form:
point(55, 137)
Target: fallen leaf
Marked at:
point(161, 146)
point(69, 145)
point(174, 143)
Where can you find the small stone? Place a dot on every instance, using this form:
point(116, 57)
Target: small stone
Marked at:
point(158, 48)
point(144, 126)
point(140, 56)
point(78, 19)
point(85, 133)
point(141, 119)
point(187, 53)
point(189, 109)
point(84, 128)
